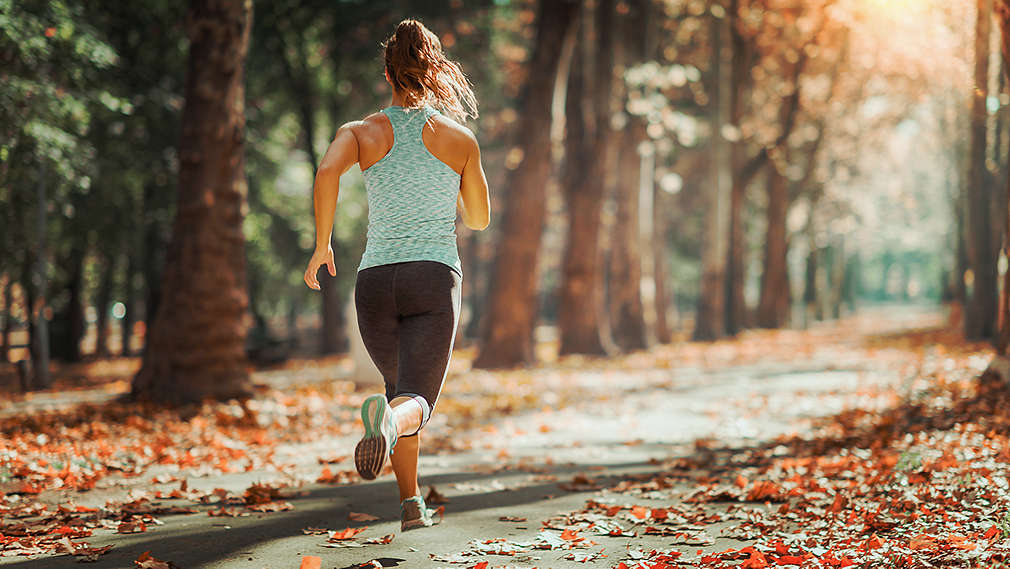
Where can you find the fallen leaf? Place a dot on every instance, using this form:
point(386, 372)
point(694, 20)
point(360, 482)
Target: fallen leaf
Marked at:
point(349, 533)
point(147, 561)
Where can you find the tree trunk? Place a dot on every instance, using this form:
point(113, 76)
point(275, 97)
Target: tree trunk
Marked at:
point(507, 335)
point(196, 344)
point(582, 322)
point(710, 319)
point(69, 323)
point(736, 263)
point(626, 308)
point(152, 263)
point(810, 295)
point(980, 322)
point(28, 379)
point(130, 301)
point(774, 305)
point(5, 335)
point(660, 250)
point(1003, 341)
point(40, 338)
point(102, 301)
point(837, 283)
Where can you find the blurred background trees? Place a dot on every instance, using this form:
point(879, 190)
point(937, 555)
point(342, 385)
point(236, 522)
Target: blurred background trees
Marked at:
point(661, 170)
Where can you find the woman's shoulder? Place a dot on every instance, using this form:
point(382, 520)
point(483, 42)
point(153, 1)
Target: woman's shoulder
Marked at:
point(456, 133)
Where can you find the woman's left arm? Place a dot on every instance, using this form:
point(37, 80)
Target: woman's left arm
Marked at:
point(339, 157)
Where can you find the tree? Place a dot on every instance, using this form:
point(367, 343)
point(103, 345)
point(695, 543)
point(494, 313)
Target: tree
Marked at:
point(773, 307)
point(626, 252)
point(980, 317)
point(196, 344)
point(588, 139)
point(507, 329)
point(710, 318)
point(1000, 367)
point(582, 322)
point(741, 63)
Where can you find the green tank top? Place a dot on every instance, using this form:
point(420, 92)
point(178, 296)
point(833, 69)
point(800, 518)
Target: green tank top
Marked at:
point(411, 198)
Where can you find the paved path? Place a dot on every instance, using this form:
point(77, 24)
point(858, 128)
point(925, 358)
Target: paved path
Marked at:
point(606, 424)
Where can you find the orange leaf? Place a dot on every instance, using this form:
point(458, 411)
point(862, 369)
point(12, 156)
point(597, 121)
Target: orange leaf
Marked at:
point(838, 504)
point(756, 561)
point(311, 562)
point(348, 533)
point(640, 512)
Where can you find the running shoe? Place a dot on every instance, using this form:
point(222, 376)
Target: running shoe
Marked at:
point(415, 514)
point(380, 436)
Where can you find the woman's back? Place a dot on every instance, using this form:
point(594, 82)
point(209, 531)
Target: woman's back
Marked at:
point(407, 157)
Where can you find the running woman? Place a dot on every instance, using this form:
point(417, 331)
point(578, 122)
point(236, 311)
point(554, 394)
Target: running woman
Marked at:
point(420, 167)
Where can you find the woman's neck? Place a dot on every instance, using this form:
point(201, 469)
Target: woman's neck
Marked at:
point(397, 100)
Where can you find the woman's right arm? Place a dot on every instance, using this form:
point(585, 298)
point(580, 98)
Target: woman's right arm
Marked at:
point(339, 157)
point(474, 197)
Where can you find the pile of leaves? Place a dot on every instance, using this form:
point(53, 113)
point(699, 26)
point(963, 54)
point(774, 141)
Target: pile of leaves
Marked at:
point(923, 484)
point(29, 527)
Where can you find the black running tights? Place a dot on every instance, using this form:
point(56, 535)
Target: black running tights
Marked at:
point(407, 314)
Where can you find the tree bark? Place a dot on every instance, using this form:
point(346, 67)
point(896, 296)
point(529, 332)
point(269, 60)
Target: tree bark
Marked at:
point(130, 302)
point(5, 335)
point(102, 301)
point(582, 322)
point(507, 335)
point(660, 251)
point(774, 305)
point(810, 281)
point(196, 344)
point(152, 264)
point(627, 311)
point(69, 328)
point(1003, 340)
point(626, 308)
point(40, 331)
point(837, 282)
point(710, 319)
point(736, 264)
point(980, 321)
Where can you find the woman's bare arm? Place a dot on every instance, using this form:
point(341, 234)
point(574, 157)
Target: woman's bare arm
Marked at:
point(474, 198)
point(339, 157)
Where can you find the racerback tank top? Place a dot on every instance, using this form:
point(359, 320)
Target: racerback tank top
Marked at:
point(411, 198)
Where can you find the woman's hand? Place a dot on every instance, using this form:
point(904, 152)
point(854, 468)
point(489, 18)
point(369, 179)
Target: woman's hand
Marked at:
point(319, 258)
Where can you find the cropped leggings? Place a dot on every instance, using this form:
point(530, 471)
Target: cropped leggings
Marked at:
point(407, 314)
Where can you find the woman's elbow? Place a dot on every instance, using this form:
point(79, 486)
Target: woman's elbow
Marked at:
point(478, 224)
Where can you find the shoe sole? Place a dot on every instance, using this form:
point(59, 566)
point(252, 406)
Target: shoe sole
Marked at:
point(420, 522)
point(370, 454)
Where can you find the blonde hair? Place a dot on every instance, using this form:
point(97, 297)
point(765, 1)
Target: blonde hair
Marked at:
point(422, 74)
